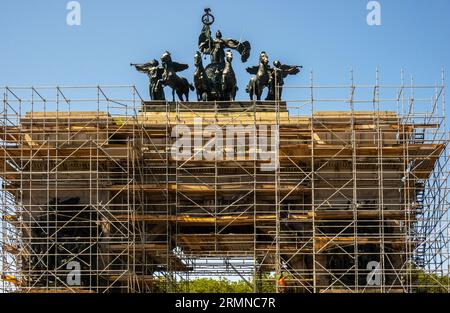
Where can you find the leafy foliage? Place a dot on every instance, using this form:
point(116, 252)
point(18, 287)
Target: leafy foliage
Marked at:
point(265, 284)
point(431, 283)
point(423, 282)
point(222, 285)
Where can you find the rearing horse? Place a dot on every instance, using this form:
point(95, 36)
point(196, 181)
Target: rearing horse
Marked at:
point(257, 83)
point(180, 85)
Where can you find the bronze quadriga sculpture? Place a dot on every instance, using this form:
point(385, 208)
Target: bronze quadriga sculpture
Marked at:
point(217, 80)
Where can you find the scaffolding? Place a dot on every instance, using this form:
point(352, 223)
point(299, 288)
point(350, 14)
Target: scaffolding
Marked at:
point(343, 189)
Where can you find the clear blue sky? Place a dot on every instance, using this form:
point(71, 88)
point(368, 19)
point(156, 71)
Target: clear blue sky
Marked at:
point(327, 36)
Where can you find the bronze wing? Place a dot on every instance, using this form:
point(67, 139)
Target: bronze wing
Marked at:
point(290, 69)
point(144, 68)
point(178, 67)
point(242, 47)
point(252, 69)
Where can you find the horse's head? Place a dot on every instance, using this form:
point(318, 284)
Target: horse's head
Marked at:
point(229, 56)
point(166, 57)
point(197, 59)
point(263, 58)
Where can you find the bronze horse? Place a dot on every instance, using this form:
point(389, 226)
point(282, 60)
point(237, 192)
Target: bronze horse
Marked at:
point(229, 86)
point(201, 82)
point(261, 80)
point(180, 85)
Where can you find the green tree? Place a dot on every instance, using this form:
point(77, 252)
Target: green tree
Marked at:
point(221, 285)
point(431, 283)
point(265, 284)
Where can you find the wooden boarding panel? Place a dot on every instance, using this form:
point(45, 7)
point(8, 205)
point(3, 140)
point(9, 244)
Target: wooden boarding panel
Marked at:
point(333, 215)
point(226, 118)
point(208, 189)
point(32, 119)
point(250, 219)
point(323, 243)
point(225, 242)
point(148, 279)
point(85, 152)
point(120, 247)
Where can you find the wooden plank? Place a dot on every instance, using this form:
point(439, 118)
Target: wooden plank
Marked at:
point(322, 242)
point(200, 188)
point(250, 219)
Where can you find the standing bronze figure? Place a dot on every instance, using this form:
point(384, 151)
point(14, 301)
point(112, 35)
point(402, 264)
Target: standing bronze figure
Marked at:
point(179, 85)
point(215, 47)
point(277, 76)
point(154, 72)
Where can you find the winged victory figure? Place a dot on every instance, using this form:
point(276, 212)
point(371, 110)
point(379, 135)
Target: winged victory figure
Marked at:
point(154, 72)
point(215, 47)
point(276, 79)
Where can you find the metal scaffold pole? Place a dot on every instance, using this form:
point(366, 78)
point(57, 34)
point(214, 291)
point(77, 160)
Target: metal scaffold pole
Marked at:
point(103, 191)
